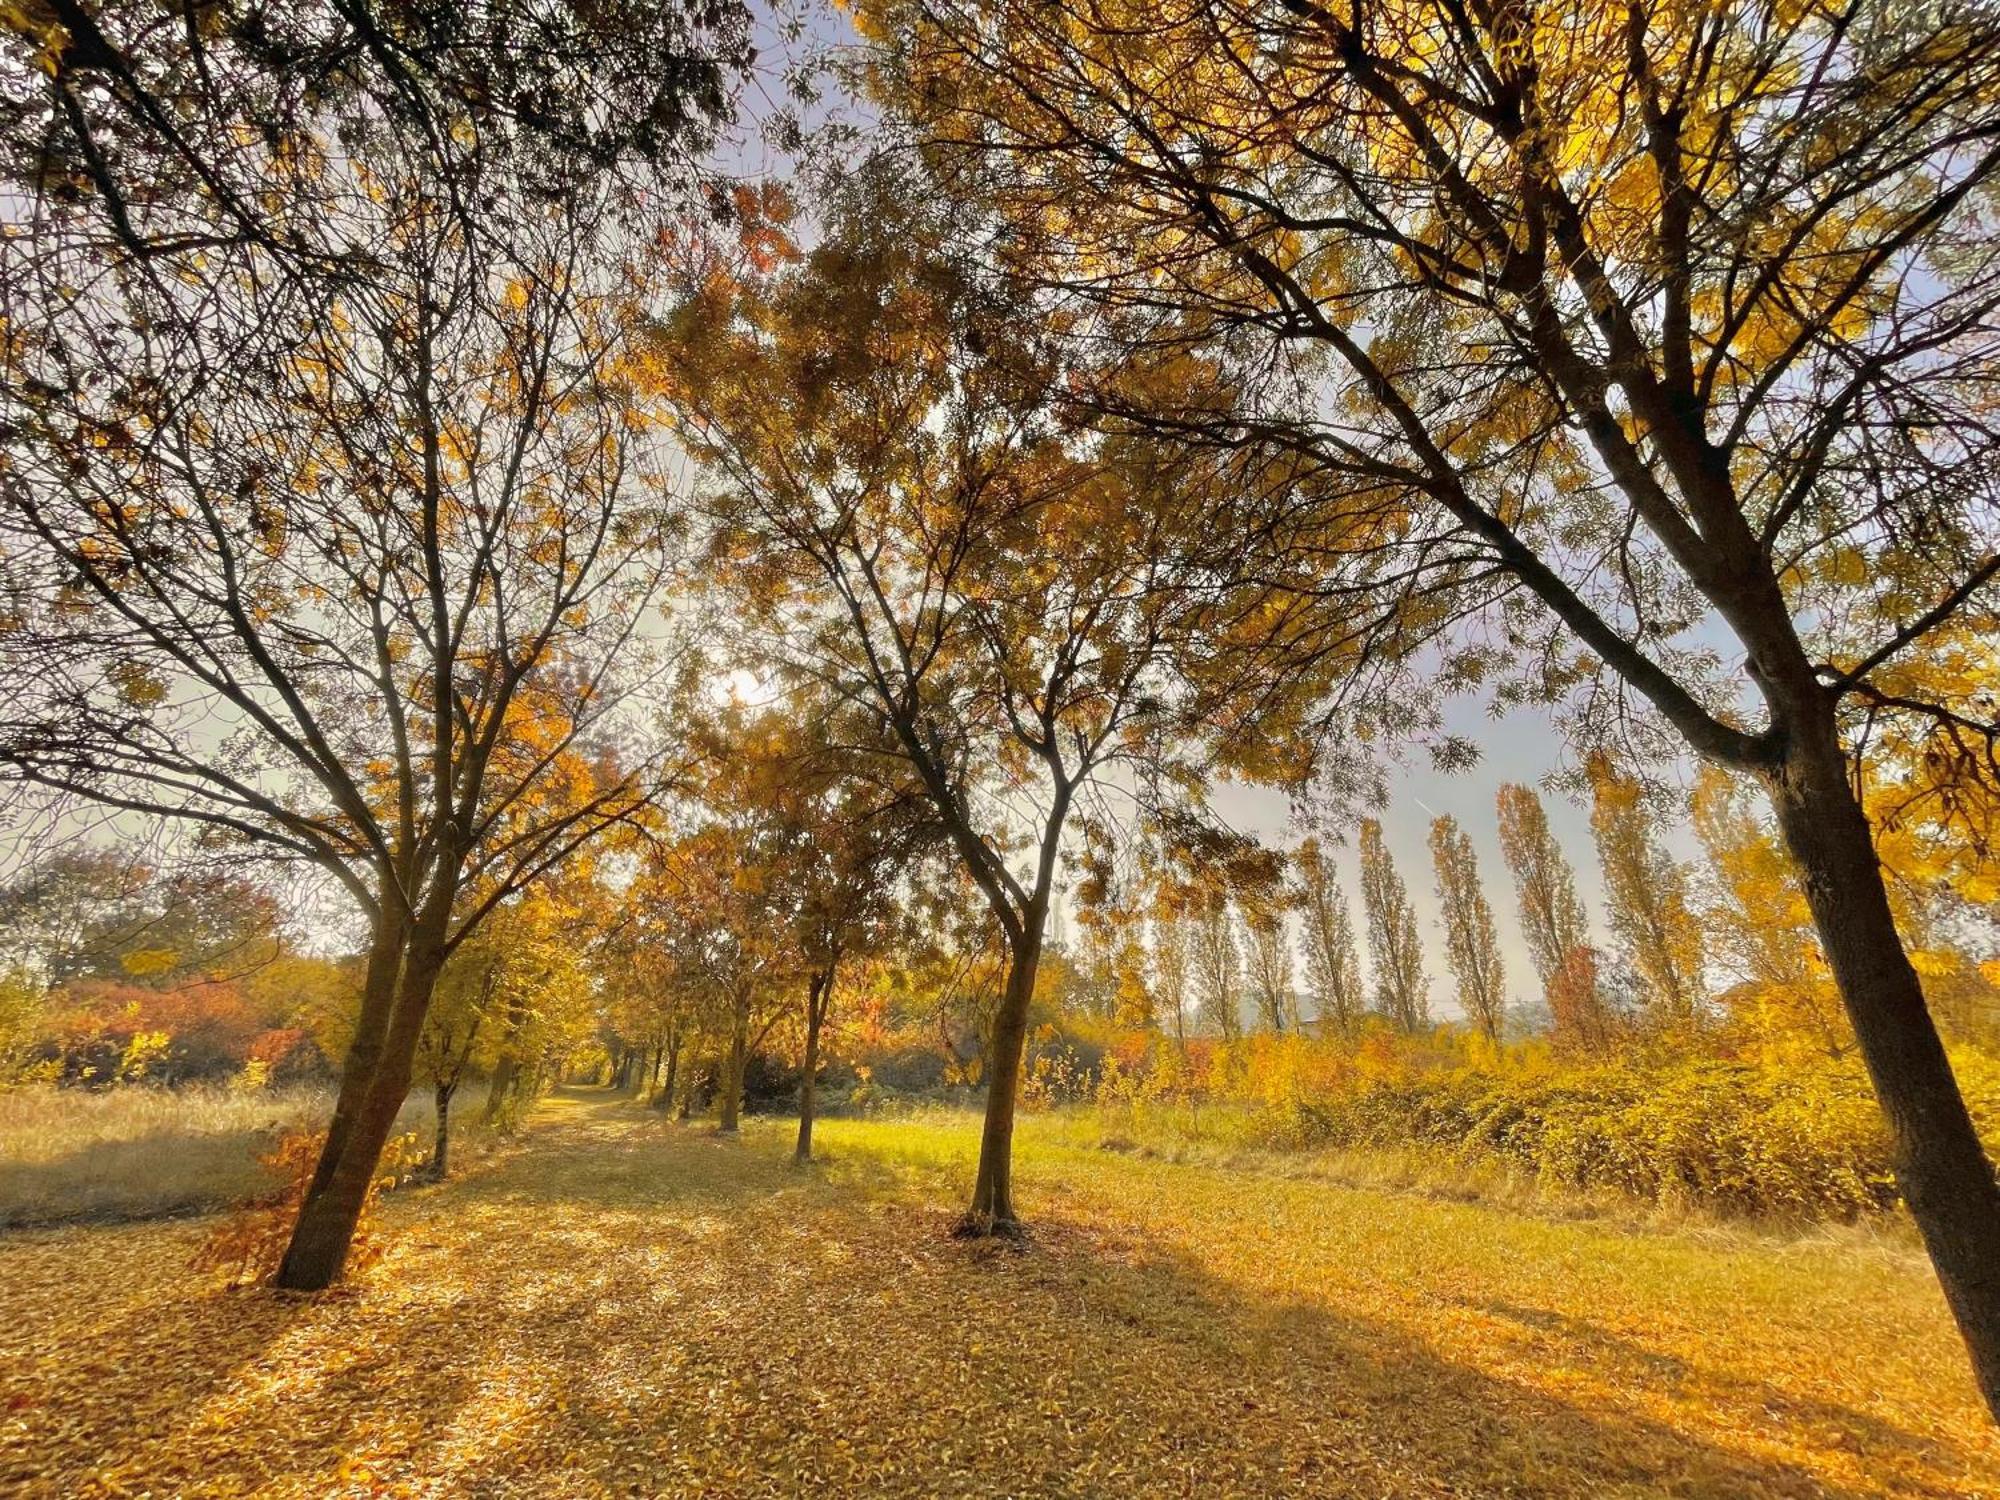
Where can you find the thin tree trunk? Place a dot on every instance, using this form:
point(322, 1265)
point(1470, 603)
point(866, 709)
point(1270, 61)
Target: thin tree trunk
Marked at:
point(327, 1219)
point(992, 1207)
point(497, 1088)
point(441, 1148)
point(663, 1100)
point(732, 1073)
point(1941, 1168)
point(818, 989)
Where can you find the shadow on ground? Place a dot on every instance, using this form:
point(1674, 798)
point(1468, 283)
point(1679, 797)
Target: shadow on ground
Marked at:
point(631, 1307)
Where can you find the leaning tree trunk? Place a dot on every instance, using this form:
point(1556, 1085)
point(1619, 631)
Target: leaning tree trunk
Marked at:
point(818, 988)
point(441, 1147)
point(992, 1207)
point(364, 1051)
point(1941, 1168)
point(329, 1216)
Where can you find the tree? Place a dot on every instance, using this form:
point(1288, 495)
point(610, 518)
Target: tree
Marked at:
point(1333, 971)
point(848, 838)
point(342, 570)
point(1645, 893)
point(97, 913)
point(1218, 966)
point(1268, 964)
point(1170, 965)
point(1552, 918)
point(1757, 929)
point(1402, 989)
point(731, 936)
point(1471, 945)
point(1660, 318)
point(1016, 607)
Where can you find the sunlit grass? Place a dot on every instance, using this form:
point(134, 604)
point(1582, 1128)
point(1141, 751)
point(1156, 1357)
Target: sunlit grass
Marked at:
point(140, 1152)
point(629, 1306)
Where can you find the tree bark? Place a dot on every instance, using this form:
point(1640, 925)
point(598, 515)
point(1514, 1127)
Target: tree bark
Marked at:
point(329, 1216)
point(992, 1207)
point(364, 1051)
point(663, 1100)
point(497, 1088)
point(441, 1148)
point(818, 989)
point(732, 1072)
point(1941, 1168)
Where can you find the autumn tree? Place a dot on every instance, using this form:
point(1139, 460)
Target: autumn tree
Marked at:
point(1662, 318)
point(848, 827)
point(1402, 988)
point(1552, 917)
point(100, 912)
point(1757, 930)
point(1471, 944)
point(1333, 970)
point(1017, 607)
point(1218, 966)
point(1268, 963)
point(340, 568)
point(1646, 898)
point(731, 936)
point(1170, 967)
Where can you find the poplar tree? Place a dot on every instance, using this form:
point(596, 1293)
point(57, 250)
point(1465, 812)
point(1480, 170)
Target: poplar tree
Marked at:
point(1402, 989)
point(1646, 898)
point(1218, 967)
point(1472, 946)
point(1333, 971)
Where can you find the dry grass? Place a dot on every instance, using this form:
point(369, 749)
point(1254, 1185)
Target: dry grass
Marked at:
point(137, 1153)
point(629, 1307)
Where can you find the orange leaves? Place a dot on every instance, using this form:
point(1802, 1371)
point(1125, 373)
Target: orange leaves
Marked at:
point(247, 1245)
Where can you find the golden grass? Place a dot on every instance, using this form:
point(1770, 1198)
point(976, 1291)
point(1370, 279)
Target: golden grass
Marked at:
point(137, 1153)
point(629, 1307)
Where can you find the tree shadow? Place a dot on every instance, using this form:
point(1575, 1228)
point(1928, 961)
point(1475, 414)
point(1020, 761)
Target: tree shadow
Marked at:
point(660, 1312)
point(114, 1338)
point(1862, 1430)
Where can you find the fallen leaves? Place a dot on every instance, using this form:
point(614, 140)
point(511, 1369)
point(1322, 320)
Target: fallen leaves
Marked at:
point(626, 1307)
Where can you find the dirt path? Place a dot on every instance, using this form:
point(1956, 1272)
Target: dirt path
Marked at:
point(626, 1307)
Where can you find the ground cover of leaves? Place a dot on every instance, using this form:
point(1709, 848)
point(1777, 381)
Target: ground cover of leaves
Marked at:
point(624, 1306)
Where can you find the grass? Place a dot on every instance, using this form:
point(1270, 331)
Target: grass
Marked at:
point(139, 1153)
point(624, 1306)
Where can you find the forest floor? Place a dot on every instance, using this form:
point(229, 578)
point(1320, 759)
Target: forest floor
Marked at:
point(624, 1306)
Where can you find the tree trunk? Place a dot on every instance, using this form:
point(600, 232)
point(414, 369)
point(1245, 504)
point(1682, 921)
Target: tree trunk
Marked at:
point(992, 1207)
point(328, 1217)
point(497, 1088)
point(663, 1100)
point(732, 1072)
point(1941, 1168)
point(817, 990)
point(364, 1051)
point(441, 1149)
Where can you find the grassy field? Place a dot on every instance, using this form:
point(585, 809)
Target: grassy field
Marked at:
point(625, 1306)
point(142, 1153)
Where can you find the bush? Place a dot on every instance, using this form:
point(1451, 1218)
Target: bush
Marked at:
point(1804, 1142)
